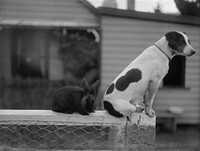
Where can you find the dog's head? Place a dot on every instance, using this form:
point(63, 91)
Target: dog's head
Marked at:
point(179, 43)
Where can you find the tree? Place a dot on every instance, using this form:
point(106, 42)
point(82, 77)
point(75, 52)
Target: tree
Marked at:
point(188, 7)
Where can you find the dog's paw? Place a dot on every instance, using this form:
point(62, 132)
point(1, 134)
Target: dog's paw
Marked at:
point(139, 109)
point(150, 113)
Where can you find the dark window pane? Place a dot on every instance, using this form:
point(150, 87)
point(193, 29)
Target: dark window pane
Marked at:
point(176, 73)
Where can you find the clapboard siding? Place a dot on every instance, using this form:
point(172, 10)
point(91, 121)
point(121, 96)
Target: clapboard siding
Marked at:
point(123, 39)
point(71, 11)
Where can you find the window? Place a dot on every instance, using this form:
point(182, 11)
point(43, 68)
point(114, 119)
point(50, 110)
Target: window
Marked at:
point(68, 54)
point(28, 48)
point(176, 73)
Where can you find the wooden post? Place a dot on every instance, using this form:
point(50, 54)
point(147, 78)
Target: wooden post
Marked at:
point(141, 133)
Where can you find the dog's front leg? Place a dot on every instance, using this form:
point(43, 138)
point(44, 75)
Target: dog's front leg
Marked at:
point(150, 96)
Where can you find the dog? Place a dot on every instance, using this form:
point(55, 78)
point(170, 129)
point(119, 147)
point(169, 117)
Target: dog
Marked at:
point(140, 80)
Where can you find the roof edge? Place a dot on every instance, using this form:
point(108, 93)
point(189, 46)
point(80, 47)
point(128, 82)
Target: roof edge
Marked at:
point(89, 6)
point(188, 20)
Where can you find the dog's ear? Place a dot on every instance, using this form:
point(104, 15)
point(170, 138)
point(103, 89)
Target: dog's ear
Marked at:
point(86, 87)
point(172, 38)
point(176, 40)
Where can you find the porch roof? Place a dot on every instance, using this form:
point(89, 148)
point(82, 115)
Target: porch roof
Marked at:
point(46, 23)
point(48, 13)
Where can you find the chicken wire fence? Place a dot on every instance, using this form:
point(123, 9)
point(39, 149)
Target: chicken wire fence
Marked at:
point(40, 135)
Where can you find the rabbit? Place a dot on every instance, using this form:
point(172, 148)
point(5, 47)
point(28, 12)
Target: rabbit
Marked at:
point(70, 99)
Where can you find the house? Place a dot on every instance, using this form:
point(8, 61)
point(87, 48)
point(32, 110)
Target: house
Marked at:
point(123, 36)
point(25, 21)
point(33, 38)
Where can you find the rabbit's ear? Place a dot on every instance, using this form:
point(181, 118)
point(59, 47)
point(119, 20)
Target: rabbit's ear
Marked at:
point(95, 87)
point(86, 87)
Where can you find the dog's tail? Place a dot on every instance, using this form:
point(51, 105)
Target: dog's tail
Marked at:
point(109, 107)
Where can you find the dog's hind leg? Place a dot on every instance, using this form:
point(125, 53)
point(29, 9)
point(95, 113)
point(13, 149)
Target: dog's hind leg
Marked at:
point(129, 107)
point(139, 108)
point(125, 107)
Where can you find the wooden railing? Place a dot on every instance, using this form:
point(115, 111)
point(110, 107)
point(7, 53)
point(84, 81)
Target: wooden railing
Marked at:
point(47, 130)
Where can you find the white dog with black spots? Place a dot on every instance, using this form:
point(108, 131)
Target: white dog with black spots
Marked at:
point(140, 80)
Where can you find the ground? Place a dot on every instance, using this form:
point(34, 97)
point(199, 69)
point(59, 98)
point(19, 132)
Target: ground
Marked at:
point(187, 138)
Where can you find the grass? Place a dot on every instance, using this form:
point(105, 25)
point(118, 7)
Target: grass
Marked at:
point(187, 138)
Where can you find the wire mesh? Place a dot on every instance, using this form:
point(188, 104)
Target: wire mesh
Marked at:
point(33, 136)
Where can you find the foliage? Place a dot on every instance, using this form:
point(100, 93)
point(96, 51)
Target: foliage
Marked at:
point(187, 7)
point(78, 53)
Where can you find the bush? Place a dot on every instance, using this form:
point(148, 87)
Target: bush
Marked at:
point(187, 7)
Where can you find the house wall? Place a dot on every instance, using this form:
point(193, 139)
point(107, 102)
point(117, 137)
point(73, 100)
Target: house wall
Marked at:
point(123, 39)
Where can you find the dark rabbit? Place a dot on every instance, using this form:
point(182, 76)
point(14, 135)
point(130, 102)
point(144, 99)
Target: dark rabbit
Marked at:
point(70, 99)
